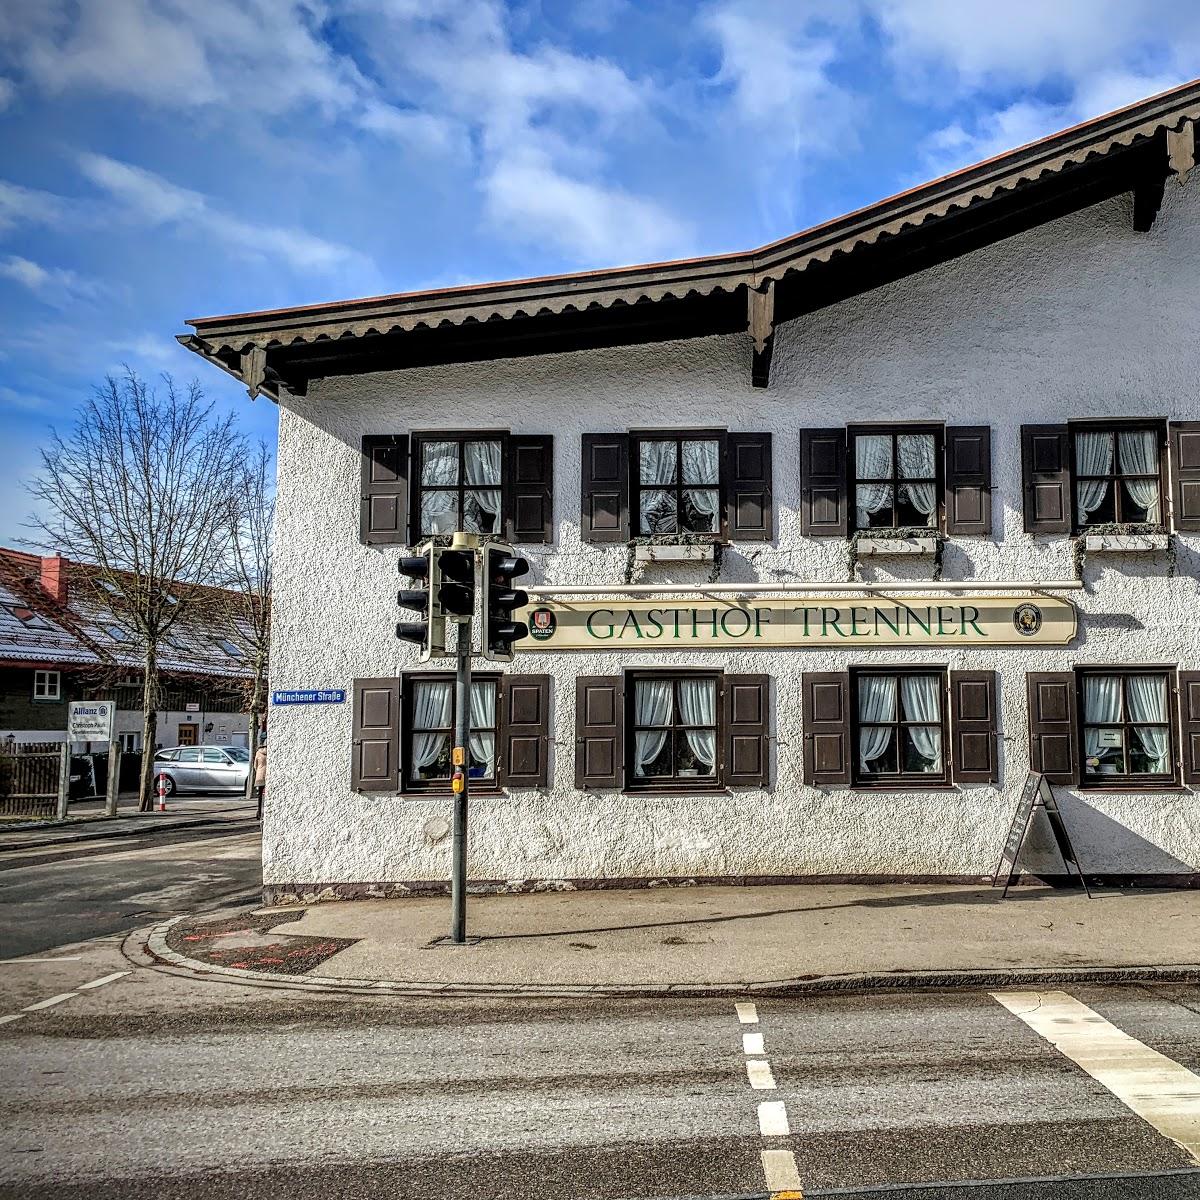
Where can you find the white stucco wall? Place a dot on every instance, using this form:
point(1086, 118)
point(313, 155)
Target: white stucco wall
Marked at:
point(1083, 317)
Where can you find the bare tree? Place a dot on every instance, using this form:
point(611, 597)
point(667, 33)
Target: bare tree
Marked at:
point(252, 519)
point(142, 488)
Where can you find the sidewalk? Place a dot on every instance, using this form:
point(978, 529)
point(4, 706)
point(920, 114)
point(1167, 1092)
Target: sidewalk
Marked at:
point(700, 940)
point(86, 820)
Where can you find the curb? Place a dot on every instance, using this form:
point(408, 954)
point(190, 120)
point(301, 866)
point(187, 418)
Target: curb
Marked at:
point(98, 835)
point(155, 946)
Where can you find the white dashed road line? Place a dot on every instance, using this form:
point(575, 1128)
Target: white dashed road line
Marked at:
point(1156, 1088)
point(13, 962)
point(83, 987)
point(779, 1166)
point(51, 1002)
point(772, 1119)
point(759, 1071)
point(752, 1043)
point(783, 1179)
point(11, 1017)
point(747, 1013)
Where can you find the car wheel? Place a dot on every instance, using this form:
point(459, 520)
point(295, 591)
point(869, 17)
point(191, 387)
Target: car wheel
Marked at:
point(167, 782)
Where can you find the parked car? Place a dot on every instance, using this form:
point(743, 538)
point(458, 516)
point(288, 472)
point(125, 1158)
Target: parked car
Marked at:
point(202, 768)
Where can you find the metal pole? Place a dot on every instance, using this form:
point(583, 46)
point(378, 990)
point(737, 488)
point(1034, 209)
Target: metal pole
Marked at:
point(114, 778)
point(462, 730)
point(64, 780)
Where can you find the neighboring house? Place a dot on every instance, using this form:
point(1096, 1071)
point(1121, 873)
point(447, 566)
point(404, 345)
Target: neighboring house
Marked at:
point(62, 640)
point(986, 382)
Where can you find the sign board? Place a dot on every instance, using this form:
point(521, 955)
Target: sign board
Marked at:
point(90, 720)
point(709, 623)
point(191, 707)
point(316, 696)
point(1036, 794)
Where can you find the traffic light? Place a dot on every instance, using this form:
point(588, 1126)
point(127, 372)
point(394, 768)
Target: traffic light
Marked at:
point(456, 582)
point(500, 567)
point(430, 633)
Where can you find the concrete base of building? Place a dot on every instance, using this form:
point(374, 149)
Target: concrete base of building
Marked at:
point(319, 893)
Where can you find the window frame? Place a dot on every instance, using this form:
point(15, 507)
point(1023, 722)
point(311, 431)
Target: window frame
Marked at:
point(901, 781)
point(417, 443)
point(441, 787)
point(679, 436)
point(1116, 425)
point(1129, 783)
point(895, 430)
point(47, 676)
point(673, 785)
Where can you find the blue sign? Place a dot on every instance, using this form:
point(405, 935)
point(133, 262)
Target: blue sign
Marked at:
point(325, 696)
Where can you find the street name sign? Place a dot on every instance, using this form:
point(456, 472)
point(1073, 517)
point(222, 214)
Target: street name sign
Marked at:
point(312, 696)
point(710, 623)
point(90, 720)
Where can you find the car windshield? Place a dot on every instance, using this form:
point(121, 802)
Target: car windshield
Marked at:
point(238, 753)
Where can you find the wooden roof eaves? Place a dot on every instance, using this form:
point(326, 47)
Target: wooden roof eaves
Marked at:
point(224, 339)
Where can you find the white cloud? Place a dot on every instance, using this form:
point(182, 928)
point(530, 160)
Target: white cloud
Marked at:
point(421, 131)
point(30, 206)
point(955, 146)
point(8, 90)
point(153, 199)
point(55, 285)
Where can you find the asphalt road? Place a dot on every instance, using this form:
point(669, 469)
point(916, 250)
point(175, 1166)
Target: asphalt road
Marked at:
point(67, 893)
point(156, 1085)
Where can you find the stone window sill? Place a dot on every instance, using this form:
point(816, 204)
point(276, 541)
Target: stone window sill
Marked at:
point(691, 552)
point(893, 547)
point(1124, 543)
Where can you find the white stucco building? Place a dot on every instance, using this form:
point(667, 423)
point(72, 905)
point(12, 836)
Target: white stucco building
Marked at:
point(1001, 365)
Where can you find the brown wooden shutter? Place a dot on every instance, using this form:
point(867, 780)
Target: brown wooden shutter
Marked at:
point(531, 472)
point(974, 727)
point(384, 515)
point(604, 487)
point(525, 731)
point(1046, 469)
point(1185, 474)
point(599, 720)
point(823, 505)
point(376, 736)
point(1053, 725)
point(1189, 725)
point(826, 716)
point(748, 488)
point(969, 480)
point(747, 722)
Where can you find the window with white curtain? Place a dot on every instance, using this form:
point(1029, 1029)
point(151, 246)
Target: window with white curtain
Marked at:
point(896, 478)
point(1118, 476)
point(678, 484)
point(674, 724)
point(900, 726)
point(460, 484)
point(1126, 726)
point(429, 731)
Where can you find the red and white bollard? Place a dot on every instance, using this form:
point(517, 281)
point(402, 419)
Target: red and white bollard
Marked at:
point(162, 793)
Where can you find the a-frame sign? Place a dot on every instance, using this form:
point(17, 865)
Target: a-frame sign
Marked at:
point(1036, 794)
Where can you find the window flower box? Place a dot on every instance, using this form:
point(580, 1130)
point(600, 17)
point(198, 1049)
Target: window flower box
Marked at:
point(1124, 543)
point(689, 552)
point(893, 547)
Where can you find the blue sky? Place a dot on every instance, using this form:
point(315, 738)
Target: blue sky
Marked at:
point(162, 159)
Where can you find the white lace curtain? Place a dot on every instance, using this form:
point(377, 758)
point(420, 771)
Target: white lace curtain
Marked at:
point(918, 461)
point(483, 473)
point(432, 700)
point(1147, 697)
point(652, 706)
point(439, 468)
point(1093, 456)
point(872, 460)
point(1101, 706)
point(483, 719)
point(920, 696)
point(698, 706)
point(1137, 454)
point(702, 465)
point(876, 702)
point(657, 465)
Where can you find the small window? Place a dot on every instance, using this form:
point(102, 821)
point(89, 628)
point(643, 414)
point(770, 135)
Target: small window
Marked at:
point(232, 649)
point(675, 725)
point(28, 617)
point(47, 685)
point(116, 633)
point(1126, 727)
point(213, 754)
point(1118, 476)
point(460, 485)
point(896, 482)
point(130, 742)
point(110, 588)
point(900, 727)
point(190, 754)
point(430, 732)
point(678, 484)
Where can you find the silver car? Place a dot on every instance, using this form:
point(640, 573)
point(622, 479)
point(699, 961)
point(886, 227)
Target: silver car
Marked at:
point(202, 768)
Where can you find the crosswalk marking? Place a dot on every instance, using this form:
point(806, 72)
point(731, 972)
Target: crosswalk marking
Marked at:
point(1156, 1088)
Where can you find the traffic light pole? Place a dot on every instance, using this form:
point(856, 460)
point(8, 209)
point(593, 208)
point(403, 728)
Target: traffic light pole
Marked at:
point(462, 735)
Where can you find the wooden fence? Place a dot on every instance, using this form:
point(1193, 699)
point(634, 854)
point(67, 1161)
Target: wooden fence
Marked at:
point(29, 779)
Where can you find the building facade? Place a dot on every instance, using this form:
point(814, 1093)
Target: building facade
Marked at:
point(988, 384)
